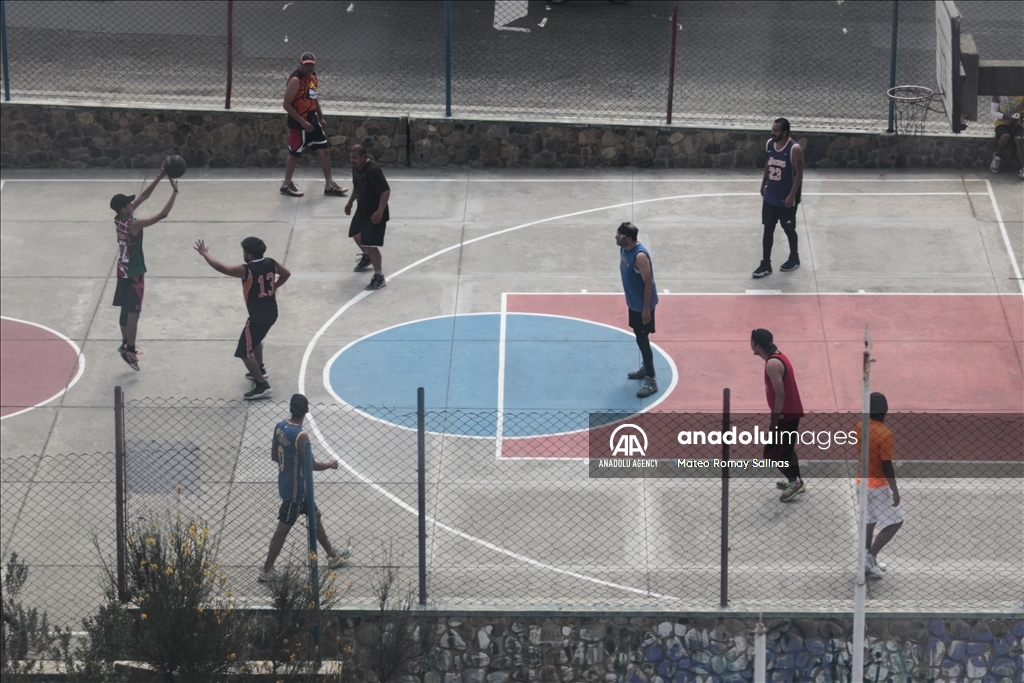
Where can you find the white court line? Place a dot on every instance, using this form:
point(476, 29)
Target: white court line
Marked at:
point(500, 423)
point(78, 353)
point(1006, 238)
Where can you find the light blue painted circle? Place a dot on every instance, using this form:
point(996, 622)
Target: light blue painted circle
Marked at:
point(557, 370)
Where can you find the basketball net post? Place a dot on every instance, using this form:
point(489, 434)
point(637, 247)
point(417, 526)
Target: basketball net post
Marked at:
point(860, 593)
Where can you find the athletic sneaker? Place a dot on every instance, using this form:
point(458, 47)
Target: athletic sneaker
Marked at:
point(650, 386)
point(377, 282)
point(364, 263)
point(263, 371)
point(763, 270)
point(334, 191)
point(266, 577)
point(781, 484)
point(996, 163)
point(794, 489)
point(339, 557)
point(290, 190)
point(259, 391)
point(129, 357)
point(791, 264)
point(871, 568)
point(638, 374)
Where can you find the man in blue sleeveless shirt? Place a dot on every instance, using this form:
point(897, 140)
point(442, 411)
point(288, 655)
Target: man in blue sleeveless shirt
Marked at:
point(290, 449)
point(780, 188)
point(641, 297)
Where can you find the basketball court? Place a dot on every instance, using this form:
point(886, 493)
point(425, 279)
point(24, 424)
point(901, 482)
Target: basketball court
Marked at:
point(504, 303)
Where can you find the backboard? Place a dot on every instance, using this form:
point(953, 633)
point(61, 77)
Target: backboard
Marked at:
point(947, 59)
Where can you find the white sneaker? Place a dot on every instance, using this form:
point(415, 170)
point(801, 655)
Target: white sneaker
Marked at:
point(996, 163)
point(871, 568)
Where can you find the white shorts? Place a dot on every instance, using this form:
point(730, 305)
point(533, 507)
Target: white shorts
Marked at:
point(881, 511)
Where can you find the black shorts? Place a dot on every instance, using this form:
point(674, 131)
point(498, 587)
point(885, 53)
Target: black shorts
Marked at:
point(290, 512)
point(771, 214)
point(252, 336)
point(636, 321)
point(370, 235)
point(299, 140)
point(1006, 129)
point(129, 293)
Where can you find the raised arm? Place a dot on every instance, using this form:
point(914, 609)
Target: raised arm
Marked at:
point(140, 223)
point(149, 188)
point(233, 271)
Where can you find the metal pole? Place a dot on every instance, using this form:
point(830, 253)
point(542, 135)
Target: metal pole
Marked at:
point(421, 475)
point(892, 63)
point(314, 572)
point(3, 50)
point(231, 52)
point(860, 594)
point(724, 581)
point(447, 57)
point(119, 494)
point(672, 62)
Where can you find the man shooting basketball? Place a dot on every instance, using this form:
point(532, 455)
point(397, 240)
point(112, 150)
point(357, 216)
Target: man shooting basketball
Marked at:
point(131, 263)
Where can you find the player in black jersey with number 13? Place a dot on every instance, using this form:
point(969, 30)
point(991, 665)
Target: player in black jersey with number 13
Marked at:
point(261, 276)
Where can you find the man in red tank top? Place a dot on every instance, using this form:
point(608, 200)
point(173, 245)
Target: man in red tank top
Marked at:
point(786, 411)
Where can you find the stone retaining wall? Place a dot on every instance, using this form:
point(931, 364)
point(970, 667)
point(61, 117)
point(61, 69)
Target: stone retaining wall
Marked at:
point(41, 136)
point(626, 649)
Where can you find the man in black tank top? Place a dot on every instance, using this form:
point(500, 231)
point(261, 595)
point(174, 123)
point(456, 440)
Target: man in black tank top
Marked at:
point(261, 276)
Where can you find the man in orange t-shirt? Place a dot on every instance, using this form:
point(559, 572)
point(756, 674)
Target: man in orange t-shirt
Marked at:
point(883, 495)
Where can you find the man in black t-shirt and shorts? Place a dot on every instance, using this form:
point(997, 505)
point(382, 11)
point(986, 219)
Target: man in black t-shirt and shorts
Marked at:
point(372, 192)
point(260, 277)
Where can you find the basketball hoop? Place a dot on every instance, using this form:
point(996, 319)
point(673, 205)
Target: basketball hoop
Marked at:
point(912, 104)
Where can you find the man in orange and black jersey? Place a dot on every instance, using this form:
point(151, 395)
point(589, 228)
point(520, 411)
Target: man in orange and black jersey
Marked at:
point(261, 276)
point(307, 128)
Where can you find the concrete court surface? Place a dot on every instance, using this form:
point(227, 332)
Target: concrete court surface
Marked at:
point(898, 232)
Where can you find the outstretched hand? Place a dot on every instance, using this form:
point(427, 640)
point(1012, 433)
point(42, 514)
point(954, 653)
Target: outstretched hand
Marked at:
point(201, 248)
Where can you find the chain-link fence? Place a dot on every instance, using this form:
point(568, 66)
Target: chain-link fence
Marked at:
point(531, 519)
point(526, 519)
point(58, 515)
point(824, 64)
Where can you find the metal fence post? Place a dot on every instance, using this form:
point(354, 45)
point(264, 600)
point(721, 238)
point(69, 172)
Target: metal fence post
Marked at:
point(447, 57)
point(314, 573)
point(892, 62)
point(119, 495)
point(421, 475)
point(672, 63)
point(723, 598)
point(231, 52)
point(3, 49)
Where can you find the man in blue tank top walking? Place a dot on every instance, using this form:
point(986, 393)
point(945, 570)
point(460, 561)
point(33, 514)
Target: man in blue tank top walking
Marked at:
point(641, 297)
point(780, 188)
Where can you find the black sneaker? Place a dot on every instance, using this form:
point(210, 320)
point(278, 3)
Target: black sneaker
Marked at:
point(638, 374)
point(377, 282)
point(763, 270)
point(364, 263)
point(263, 371)
point(791, 264)
point(650, 386)
point(259, 391)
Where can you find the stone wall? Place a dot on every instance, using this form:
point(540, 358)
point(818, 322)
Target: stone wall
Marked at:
point(41, 136)
point(654, 649)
